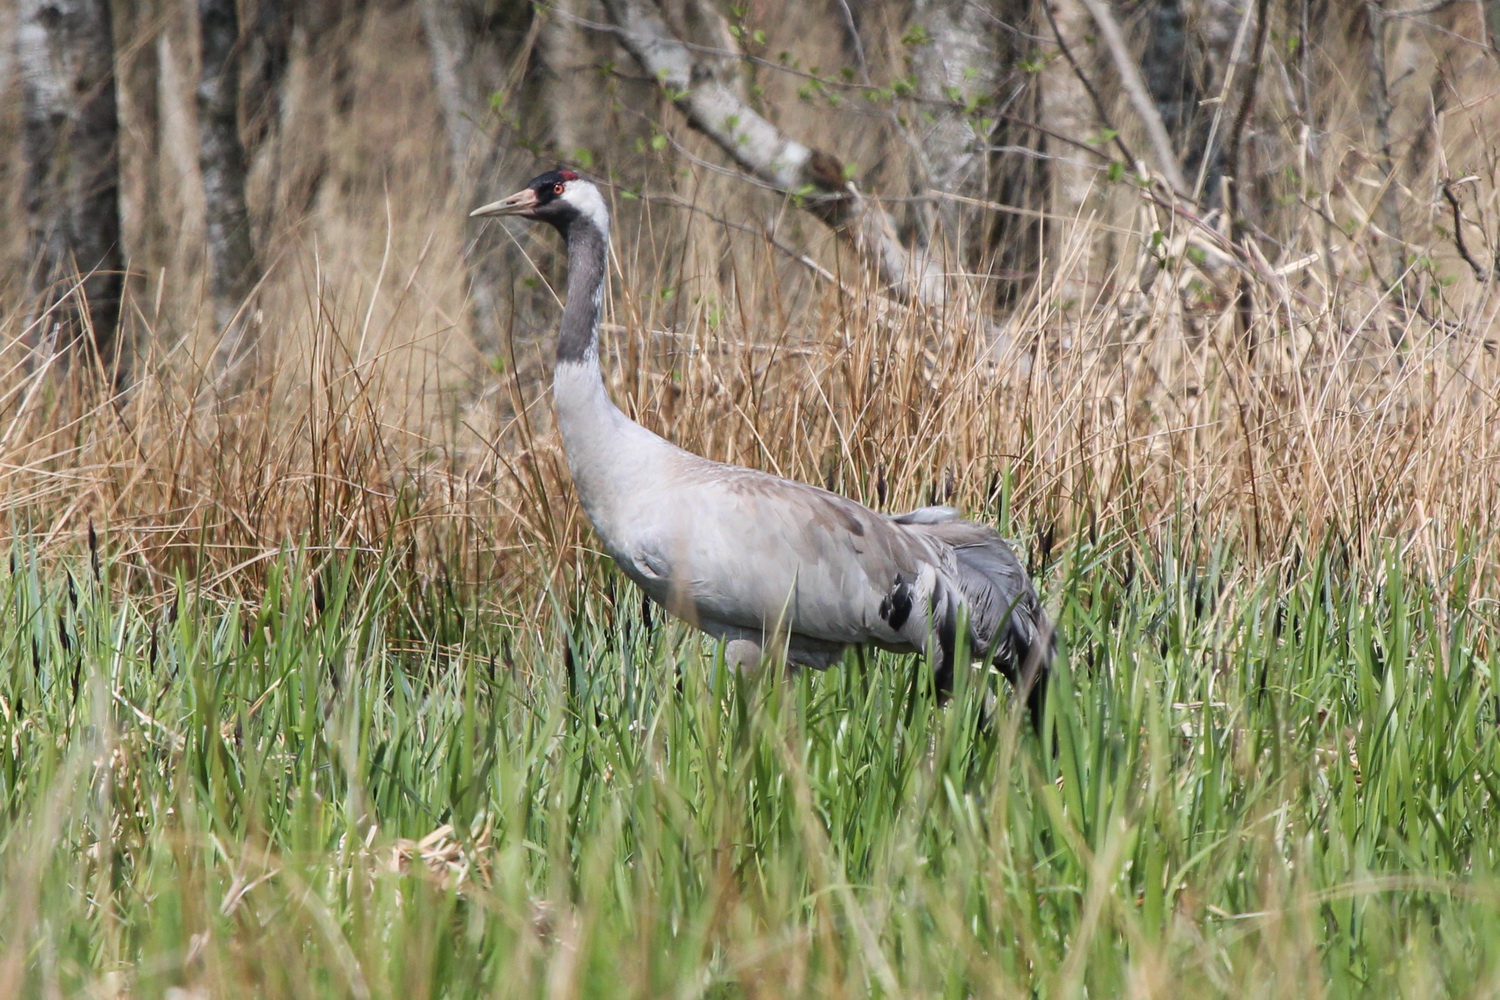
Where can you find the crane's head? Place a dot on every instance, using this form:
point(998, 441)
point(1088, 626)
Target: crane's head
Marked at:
point(559, 197)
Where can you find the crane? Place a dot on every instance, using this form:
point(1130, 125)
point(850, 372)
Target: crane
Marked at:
point(752, 559)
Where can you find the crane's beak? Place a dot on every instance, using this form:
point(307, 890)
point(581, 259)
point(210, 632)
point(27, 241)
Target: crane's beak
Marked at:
point(521, 203)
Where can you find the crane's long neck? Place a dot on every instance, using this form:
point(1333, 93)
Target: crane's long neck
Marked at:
point(597, 437)
point(583, 407)
point(588, 256)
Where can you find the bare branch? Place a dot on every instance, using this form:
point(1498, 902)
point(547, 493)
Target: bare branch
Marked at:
point(714, 108)
point(1425, 9)
point(1481, 273)
point(760, 62)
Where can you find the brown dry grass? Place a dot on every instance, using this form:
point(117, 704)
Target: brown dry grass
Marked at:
point(1144, 412)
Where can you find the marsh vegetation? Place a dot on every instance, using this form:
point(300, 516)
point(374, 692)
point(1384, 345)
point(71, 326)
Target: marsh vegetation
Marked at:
point(318, 685)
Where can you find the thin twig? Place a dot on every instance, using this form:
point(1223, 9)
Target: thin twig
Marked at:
point(1088, 85)
point(852, 30)
point(1481, 273)
point(764, 233)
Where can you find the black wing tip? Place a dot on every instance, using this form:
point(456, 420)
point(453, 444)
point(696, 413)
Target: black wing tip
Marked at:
point(896, 606)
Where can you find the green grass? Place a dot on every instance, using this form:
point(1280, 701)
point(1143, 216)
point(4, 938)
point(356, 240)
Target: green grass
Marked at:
point(1280, 784)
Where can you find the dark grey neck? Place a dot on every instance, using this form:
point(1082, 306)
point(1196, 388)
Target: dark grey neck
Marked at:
point(588, 255)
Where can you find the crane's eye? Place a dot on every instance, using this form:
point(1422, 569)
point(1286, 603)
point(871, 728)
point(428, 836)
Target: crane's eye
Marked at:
point(557, 188)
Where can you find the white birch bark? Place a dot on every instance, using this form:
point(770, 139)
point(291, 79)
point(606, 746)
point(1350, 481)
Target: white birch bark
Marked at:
point(1068, 110)
point(954, 68)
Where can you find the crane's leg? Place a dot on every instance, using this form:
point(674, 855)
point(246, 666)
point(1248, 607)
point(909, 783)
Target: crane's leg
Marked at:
point(742, 655)
point(743, 647)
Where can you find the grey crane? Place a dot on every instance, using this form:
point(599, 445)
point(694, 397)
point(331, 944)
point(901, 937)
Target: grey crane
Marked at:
point(753, 559)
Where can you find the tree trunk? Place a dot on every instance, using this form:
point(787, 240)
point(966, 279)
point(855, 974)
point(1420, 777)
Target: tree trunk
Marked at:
point(70, 136)
point(476, 48)
point(233, 271)
point(1068, 111)
point(145, 223)
point(955, 68)
point(1387, 212)
point(563, 44)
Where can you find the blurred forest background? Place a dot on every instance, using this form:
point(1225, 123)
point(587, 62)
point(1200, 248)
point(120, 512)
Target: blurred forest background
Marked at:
point(1093, 256)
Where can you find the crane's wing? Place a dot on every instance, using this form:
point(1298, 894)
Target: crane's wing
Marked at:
point(741, 548)
point(745, 549)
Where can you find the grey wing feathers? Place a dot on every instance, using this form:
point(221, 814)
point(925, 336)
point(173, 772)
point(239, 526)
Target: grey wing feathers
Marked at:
point(927, 515)
point(1006, 620)
point(748, 550)
point(743, 550)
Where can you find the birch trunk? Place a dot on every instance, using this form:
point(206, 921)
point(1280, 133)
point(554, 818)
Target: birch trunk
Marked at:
point(954, 68)
point(1068, 111)
point(1387, 212)
point(65, 50)
point(144, 220)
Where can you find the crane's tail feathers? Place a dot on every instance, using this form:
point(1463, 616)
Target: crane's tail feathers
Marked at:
point(1006, 621)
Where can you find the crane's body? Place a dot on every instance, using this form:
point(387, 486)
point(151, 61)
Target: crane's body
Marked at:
point(752, 558)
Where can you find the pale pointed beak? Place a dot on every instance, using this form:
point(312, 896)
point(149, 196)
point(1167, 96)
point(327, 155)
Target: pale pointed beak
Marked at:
point(521, 203)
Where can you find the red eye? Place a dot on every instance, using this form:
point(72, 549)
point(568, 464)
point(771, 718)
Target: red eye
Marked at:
point(557, 188)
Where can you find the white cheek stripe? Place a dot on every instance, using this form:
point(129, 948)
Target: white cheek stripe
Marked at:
point(585, 197)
